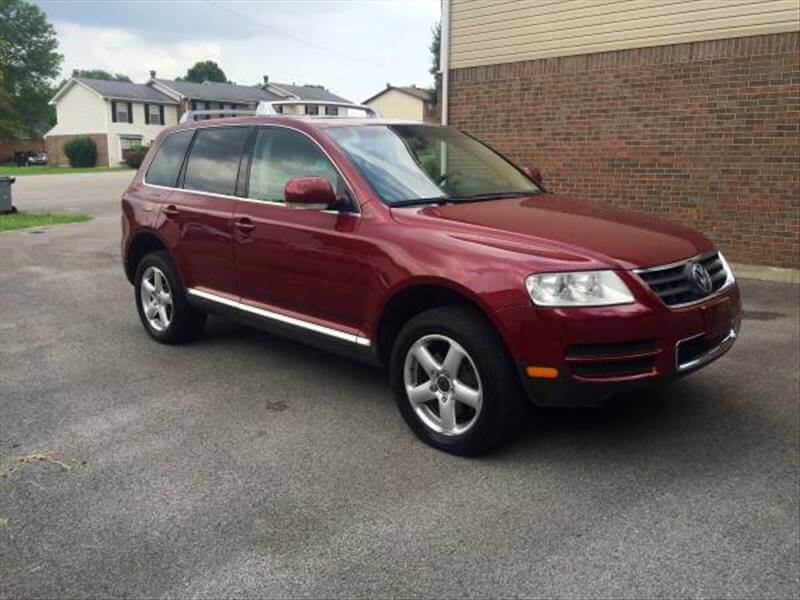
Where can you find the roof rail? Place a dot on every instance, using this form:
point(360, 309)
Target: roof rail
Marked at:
point(269, 108)
point(190, 115)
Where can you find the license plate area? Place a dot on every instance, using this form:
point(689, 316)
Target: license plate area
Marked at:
point(716, 319)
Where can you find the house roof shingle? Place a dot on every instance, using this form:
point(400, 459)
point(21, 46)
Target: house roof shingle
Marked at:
point(218, 92)
point(208, 91)
point(230, 92)
point(419, 93)
point(124, 90)
point(310, 92)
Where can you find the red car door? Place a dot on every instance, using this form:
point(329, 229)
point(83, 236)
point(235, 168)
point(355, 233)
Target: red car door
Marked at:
point(198, 215)
point(310, 263)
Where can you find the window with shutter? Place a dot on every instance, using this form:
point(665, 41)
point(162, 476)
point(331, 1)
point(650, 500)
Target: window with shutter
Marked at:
point(154, 114)
point(119, 112)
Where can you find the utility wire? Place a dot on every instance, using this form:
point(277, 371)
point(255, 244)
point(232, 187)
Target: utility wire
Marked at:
point(294, 38)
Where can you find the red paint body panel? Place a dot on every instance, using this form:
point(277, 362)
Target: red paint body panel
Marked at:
point(309, 190)
point(312, 262)
point(342, 270)
point(200, 234)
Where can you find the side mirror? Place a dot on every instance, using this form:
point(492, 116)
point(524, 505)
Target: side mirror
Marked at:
point(534, 174)
point(310, 193)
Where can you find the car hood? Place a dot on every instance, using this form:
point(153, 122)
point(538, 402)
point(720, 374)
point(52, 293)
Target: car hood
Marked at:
point(555, 225)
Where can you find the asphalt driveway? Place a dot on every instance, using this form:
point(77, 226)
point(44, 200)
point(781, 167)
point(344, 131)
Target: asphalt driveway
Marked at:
point(247, 465)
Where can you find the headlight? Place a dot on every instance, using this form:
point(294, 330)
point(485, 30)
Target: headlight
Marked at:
point(583, 288)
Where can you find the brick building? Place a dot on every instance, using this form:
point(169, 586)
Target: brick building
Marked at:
point(687, 110)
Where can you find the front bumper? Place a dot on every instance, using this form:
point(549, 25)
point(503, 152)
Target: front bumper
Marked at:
point(601, 352)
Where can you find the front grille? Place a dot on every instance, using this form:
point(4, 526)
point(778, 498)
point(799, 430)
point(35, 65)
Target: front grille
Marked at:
point(674, 286)
point(615, 359)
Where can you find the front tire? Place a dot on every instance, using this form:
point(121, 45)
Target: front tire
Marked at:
point(453, 381)
point(161, 302)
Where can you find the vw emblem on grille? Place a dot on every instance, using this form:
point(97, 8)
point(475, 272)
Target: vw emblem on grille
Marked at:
point(700, 278)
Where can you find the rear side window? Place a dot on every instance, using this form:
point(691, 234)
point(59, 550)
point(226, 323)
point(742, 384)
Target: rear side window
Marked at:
point(168, 160)
point(214, 160)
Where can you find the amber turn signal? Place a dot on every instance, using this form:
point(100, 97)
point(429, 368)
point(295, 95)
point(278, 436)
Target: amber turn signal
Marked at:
point(542, 372)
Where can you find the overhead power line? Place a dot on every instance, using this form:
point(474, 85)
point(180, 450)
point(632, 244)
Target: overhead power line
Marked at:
point(289, 36)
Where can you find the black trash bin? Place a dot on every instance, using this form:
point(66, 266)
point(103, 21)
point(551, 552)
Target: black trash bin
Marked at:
point(6, 206)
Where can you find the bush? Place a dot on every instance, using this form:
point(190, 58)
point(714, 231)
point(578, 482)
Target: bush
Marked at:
point(135, 156)
point(81, 152)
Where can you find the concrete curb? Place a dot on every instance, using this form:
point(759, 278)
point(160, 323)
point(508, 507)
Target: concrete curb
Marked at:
point(762, 273)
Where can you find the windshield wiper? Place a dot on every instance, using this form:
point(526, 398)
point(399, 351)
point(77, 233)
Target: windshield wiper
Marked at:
point(413, 201)
point(488, 196)
point(457, 199)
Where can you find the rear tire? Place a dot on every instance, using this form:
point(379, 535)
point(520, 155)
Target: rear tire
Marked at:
point(454, 382)
point(161, 302)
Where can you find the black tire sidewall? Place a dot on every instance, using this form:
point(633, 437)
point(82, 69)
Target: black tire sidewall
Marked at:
point(488, 353)
point(183, 315)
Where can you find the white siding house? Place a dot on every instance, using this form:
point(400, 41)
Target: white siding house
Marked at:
point(404, 102)
point(119, 114)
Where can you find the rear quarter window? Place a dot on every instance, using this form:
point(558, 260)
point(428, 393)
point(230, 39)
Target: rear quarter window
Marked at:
point(168, 159)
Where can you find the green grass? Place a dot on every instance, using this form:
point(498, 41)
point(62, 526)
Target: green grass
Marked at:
point(23, 220)
point(15, 171)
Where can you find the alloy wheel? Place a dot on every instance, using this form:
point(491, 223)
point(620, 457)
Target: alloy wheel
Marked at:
point(443, 385)
point(156, 298)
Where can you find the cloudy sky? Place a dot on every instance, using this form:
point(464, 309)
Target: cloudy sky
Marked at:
point(352, 47)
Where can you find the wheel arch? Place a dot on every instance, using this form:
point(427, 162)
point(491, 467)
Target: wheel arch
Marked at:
point(416, 297)
point(142, 244)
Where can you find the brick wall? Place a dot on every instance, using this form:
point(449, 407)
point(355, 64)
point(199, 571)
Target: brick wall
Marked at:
point(55, 148)
point(10, 145)
point(707, 133)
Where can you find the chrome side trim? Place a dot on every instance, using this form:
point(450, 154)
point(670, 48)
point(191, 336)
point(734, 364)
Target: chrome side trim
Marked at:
point(711, 354)
point(285, 205)
point(268, 314)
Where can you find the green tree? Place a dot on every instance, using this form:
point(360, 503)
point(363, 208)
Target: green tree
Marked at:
point(206, 70)
point(435, 48)
point(28, 63)
point(100, 74)
point(10, 125)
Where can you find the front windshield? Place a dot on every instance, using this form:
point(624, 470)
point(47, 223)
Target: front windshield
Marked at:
point(410, 164)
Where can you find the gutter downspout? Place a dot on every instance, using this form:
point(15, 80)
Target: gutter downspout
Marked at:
point(444, 59)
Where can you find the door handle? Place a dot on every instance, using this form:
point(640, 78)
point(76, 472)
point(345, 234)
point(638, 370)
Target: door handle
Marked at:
point(171, 211)
point(244, 225)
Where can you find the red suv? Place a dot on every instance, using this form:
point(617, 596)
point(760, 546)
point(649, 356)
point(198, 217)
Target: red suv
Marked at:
point(419, 248)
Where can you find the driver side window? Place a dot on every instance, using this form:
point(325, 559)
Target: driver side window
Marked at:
point(281, 154)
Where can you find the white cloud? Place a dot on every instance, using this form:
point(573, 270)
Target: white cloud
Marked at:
point(365, 43)
point(119, 51)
